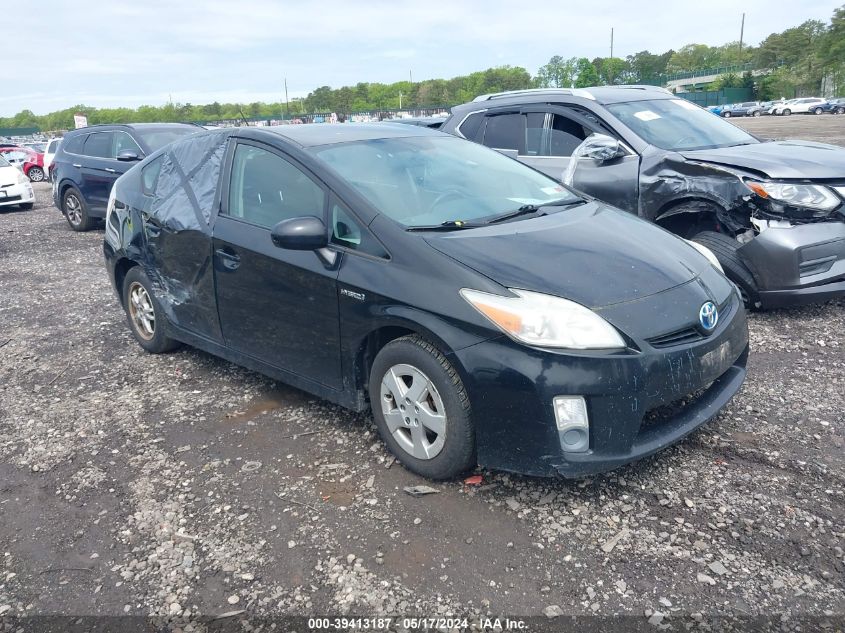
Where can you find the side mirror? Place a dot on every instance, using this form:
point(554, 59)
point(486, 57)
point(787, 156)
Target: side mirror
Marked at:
point(601, 148)
point(128, 155)
point(300, 234)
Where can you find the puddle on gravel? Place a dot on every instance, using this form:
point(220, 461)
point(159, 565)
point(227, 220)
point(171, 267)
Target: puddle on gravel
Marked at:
point(275, 400)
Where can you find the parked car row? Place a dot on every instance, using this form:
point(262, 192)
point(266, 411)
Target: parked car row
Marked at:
point(565, 304)
point(804, 105)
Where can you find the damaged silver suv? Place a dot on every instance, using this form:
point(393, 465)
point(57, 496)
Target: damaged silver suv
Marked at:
point(773, 212)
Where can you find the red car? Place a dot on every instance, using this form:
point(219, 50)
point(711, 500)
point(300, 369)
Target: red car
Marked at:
point(29, 160)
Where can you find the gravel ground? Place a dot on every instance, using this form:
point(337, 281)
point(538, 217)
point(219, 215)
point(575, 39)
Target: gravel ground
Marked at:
point(185, 487)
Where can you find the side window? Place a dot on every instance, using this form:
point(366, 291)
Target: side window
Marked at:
point(266, 189)
point(534, 136)
point(74, 144)
point(472, 125)
point(52, 146)
point(149, 175)
point(505, 131)
point(122, 142)
point(566, 135)
point(98, 145)
point(348, 232)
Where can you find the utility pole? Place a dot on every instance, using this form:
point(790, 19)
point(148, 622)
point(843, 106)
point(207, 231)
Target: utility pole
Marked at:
point(400, 99)
point(411, 76)
point(741, 34)
point(611, 41)
point(287, 103)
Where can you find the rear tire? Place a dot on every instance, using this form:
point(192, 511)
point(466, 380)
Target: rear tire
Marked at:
point(724, 248)
point(818, 111)
point(840, 110)
point(408, 422)
point(757, 113)
point(145, 314)
point(727, 115)
point(35, 174)
point(787, 112)
point(76, 211)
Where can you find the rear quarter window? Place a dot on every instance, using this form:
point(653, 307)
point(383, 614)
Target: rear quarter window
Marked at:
point(149, 175)
point(471, 126)
point(73, 145)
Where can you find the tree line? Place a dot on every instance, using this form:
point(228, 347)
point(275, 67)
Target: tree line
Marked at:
point(799, 60)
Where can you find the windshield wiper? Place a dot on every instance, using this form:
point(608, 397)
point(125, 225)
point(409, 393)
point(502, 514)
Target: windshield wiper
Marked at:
point(534, 208)
point(448, 225)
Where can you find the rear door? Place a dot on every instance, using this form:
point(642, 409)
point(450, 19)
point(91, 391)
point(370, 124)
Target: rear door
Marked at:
point(98, 170)
point(278, 306)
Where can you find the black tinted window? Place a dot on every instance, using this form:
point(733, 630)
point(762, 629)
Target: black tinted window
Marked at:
point(471, 126)
point(149, 175)
point(99, 145)
point(266, 189)
point(73, 145)
point(565, 136)
point(504, 131)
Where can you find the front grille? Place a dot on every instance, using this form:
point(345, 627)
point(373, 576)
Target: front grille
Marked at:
point(668, 412)
point(10, 199)
point(686, 335)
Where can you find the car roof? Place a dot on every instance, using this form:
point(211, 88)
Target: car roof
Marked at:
point(314, 134)
point(104, 127)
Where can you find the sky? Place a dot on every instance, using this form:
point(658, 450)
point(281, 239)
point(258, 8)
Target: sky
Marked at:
point(108, 53)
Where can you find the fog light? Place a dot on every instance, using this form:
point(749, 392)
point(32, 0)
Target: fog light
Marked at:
point(573, 424)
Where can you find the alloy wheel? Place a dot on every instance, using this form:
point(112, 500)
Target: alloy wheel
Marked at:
point(141, 311)
point(73, 209)
point(413, 411)
point(36, 174)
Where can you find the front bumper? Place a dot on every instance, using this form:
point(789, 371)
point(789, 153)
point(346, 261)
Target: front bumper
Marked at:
point(19, 193)
point(799, 264)
point(511, 388)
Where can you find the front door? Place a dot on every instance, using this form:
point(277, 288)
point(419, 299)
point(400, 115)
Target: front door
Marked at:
point(278, 306)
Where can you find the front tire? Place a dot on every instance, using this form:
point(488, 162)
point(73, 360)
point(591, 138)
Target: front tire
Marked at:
point(421, 409)
point(36, 174)
point(757, 112)
point(725, 250)
point(76, 211)
point(787, 112)
point(727, 115)
point(818, 111)
point(145, 314)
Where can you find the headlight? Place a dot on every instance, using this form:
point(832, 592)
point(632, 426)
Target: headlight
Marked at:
point(813, 196)
point(707, 253)
point(545, 321)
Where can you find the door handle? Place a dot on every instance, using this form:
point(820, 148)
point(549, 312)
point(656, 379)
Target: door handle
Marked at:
point(77, 165)
point(230, 260)
point(110, 170)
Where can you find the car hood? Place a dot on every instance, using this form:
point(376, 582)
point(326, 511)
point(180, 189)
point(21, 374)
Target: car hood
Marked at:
point(592, 254)
point(779, 159)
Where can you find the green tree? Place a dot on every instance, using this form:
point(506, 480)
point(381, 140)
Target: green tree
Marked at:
point(587, 74)
point(557, 73)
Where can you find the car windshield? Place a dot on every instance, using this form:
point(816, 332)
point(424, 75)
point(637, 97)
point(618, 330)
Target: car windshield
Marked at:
point(156, 138)
point(677, 124)
point(424, 181)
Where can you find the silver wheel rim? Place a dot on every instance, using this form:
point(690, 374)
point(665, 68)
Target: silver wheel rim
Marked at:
point(73, 209)
point(413, 411)
point(36, 174)
point(141, 311)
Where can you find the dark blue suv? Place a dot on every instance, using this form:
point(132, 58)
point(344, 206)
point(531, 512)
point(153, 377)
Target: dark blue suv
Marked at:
point(90, 159)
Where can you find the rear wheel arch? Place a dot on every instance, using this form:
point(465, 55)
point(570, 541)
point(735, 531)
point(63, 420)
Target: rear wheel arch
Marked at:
point(121, 268)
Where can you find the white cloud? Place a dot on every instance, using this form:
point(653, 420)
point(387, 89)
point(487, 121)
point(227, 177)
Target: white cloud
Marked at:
point(134, 52)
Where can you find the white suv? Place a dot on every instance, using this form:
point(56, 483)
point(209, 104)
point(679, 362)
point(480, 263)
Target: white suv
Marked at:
point(800, 106)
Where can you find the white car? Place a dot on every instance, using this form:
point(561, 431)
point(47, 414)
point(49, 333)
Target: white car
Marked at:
point(49, 152)
point(804, 105)
point(15, 188)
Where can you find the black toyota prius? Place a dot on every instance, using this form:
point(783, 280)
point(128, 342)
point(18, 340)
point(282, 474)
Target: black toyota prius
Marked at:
point(485, 313)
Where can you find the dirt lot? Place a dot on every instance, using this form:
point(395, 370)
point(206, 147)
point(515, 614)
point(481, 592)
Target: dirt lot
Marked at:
point(183, 486)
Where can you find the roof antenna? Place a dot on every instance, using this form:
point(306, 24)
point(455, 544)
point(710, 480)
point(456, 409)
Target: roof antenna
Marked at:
point(241, 110)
